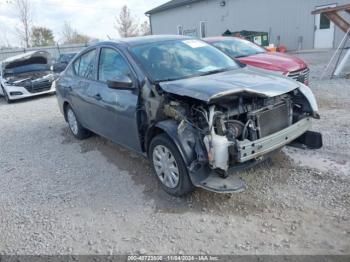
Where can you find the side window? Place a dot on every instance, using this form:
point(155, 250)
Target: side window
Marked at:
point(87, 64)
point(112, 64)
point(76, 66)
point(84, 66)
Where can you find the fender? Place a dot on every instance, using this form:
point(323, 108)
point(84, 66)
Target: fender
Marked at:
point(190, 147)
point(310, 97)
point(184, 142)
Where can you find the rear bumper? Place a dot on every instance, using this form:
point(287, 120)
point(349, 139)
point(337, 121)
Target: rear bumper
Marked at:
point(248, 150)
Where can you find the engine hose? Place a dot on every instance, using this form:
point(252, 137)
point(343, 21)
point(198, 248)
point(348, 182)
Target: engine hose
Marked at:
point(235, 121)
point(245, 128)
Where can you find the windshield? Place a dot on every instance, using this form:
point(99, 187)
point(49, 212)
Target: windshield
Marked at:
point(236, 47)
point(171, 60)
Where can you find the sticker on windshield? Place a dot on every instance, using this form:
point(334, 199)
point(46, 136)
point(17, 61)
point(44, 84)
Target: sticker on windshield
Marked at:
point(194, 43)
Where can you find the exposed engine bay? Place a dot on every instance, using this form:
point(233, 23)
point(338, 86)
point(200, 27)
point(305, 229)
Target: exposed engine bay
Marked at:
point(226, 124)
point(28, 78)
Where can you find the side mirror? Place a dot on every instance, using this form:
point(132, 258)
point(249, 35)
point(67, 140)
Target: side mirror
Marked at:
point(58, 67)
point(120, 82)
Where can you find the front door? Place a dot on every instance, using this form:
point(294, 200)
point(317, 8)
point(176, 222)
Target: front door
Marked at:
point(115, 110)
point(324, 30)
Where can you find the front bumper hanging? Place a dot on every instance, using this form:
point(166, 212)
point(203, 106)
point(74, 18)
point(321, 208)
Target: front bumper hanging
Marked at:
point(248, 150)
point(251, 153)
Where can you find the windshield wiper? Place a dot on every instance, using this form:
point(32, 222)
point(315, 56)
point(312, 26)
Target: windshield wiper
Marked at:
point(190, 76)
point(168, 79)
point(214, 72)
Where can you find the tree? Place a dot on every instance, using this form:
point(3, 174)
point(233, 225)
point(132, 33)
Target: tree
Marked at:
point(126, 24)
point(41, 36)
point(23, 9)
point(145, 28)
point(71, 35)
point(67, 32)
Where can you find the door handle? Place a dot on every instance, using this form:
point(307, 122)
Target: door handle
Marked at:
point(97, 97)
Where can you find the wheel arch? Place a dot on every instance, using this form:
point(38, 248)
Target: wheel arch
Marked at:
point(170, 128)
point(65, 106)
point(152, 132)
point(2, 88)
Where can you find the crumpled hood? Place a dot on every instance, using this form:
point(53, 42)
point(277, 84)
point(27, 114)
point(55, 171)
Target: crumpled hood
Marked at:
point(43, 57)
point(245, 80)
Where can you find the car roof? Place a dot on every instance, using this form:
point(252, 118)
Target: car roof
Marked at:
point(139, 40)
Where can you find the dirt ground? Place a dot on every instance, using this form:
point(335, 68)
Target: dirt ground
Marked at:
point(63, 196)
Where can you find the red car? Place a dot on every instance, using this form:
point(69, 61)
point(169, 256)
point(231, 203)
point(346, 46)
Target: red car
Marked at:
point(251, 54)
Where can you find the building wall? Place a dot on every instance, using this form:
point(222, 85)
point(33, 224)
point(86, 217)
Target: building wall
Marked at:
point(290, 20)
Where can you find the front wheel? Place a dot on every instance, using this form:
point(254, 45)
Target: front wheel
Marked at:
point(75, 127)
point(169, 166)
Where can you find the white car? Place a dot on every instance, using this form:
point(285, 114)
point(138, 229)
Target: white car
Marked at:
point(26, 75)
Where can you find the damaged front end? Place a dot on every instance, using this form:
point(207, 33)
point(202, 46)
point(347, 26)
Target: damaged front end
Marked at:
point(27, 75)
point(234, 130)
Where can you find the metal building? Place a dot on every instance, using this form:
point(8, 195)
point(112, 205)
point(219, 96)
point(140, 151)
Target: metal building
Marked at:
point(288, 22)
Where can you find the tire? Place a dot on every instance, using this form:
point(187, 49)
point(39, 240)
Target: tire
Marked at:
point(163, 153)
point(74, 125)
point(7, 99)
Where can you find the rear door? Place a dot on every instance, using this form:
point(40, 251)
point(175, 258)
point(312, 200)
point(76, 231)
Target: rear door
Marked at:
point(83, 86)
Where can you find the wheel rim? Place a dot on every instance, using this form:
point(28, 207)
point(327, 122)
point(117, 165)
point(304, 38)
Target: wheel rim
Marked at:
point(166, 167)
point(72, 121)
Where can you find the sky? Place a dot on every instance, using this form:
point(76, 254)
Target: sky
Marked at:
point(91, 17)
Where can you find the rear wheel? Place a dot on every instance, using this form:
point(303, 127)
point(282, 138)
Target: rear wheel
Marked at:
point(169, 166)
point(75, 127)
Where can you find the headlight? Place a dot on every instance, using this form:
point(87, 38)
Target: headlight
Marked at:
point(306, 91)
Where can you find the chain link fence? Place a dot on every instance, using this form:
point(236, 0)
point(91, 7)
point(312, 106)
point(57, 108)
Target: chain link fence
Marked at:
point(53, 50)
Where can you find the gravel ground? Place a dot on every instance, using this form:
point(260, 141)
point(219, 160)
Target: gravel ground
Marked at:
point(63, 196)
